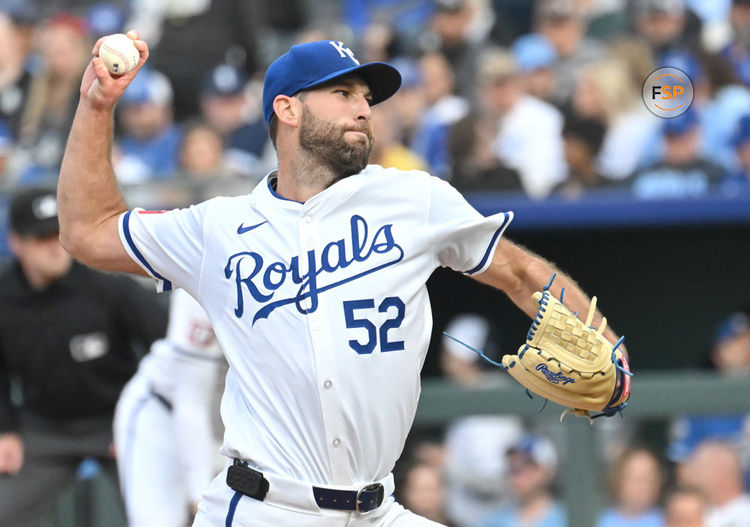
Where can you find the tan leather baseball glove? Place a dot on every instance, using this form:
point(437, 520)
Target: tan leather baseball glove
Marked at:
point(569, 362)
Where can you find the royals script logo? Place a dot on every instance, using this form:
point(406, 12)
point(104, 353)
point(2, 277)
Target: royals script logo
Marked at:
point(314, 273)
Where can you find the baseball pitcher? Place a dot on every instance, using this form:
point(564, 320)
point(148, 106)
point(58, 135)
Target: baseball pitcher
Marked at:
point(314, 283)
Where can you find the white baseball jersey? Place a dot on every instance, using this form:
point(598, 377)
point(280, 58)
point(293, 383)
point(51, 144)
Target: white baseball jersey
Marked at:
point(321, 310)
point(164, 424)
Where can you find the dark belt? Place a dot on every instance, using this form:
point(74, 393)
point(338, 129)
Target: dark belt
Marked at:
point(249, 482)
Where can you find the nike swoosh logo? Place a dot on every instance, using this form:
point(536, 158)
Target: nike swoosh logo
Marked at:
point(242, 229)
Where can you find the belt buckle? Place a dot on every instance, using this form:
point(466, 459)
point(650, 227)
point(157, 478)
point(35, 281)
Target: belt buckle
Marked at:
point(369, 488)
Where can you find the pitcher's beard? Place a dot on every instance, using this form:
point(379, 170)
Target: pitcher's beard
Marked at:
point(325, 143)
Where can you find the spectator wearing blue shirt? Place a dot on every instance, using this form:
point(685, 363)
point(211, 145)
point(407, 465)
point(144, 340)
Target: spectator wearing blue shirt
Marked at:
point(226, 105)
point(532, 468)
point(738, 181)
point(444, 109)
point(148, 146)
point(738, 50)
point(636, 482)
point(409, 19)
point(730, 354)
point(682, 172)
point(720, 100)
point(535, 56)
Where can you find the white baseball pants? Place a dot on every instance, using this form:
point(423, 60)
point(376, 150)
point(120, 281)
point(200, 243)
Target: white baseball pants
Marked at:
point(295, 507)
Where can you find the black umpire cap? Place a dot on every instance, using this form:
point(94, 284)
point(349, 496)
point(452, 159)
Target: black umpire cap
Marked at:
point(33, 212)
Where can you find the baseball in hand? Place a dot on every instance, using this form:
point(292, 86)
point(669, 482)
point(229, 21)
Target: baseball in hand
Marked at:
point(119, 54)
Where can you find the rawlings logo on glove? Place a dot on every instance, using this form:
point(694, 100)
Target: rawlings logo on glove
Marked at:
point(556, 378)
point(569, 362)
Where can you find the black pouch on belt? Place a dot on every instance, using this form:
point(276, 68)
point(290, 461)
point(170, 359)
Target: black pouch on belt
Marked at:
point(247, 481)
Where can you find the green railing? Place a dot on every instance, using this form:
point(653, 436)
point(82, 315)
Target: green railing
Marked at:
point(656, 396)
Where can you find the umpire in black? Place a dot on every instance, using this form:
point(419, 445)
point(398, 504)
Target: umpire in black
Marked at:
point(69, 341)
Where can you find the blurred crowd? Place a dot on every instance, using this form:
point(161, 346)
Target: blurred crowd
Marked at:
point(504, 471)
point(542, 98)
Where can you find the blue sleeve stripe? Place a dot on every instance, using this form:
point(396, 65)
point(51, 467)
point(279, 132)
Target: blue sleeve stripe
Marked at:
point(137, 253)
point(488, 252)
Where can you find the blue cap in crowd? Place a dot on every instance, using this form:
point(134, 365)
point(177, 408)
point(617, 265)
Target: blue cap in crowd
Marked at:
point(732, 326)
point(537, 449)
point(533, 51)
point(409, 70)
point(224, 80)
point(311, 64)
point(684, 61)
point(149, 86)
point(682, 124)
point(105, 18)
point(742, 132)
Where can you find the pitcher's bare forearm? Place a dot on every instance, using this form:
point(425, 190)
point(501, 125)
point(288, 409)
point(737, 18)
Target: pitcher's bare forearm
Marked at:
point(519, 273)
point(89, 200)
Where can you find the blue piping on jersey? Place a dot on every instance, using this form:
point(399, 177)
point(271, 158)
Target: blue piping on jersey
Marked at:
point(129, 239)
point(491, 245)
point(232, 508)
point(275, 195)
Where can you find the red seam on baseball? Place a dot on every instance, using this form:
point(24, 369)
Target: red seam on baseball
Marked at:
point(120, 55)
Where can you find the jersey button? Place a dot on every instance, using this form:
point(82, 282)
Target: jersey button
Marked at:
point(328, 384)
point(316, 326)
point(336, 442)
point(308, 219)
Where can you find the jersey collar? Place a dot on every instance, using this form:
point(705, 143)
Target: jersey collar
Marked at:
point(265, 198)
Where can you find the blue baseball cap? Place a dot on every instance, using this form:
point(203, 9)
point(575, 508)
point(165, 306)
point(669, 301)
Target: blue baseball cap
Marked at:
point(533, 51)
point(683, 60)
point(225, 80)
point(677, 126)
point(536, 448)
point(733, 325)
point(149, 86)
point(313, 63)
point(409, 70)
point(105, 18)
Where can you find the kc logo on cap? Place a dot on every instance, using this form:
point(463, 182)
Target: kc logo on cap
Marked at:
point(311, 64)
point(343, 51)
